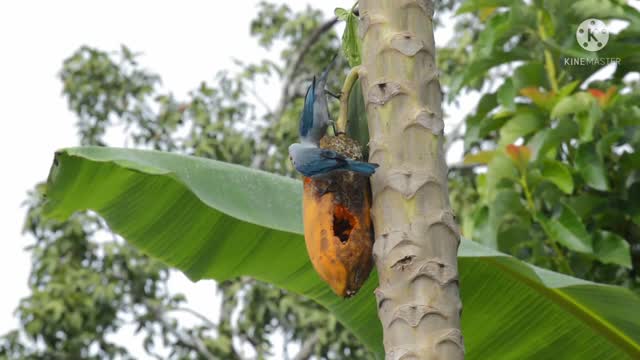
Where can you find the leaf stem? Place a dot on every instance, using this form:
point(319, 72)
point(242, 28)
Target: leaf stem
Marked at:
point(344, 98)
point(527, 193)
point(561, 260)
point(548, 59)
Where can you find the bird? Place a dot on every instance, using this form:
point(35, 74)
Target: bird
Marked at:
point(314, 162)
point(315, 113)
point(338, 231)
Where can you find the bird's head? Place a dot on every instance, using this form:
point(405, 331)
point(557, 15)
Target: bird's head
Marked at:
point(292, 152)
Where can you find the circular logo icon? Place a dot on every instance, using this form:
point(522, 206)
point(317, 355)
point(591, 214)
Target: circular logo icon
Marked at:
point(592, 34)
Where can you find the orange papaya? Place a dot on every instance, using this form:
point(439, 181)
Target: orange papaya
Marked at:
point(338, 230)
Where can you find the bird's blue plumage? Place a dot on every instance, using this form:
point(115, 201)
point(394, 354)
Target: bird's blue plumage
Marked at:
point(312, 161)
point(306, 122)
point(307, 157)
point(315, 113)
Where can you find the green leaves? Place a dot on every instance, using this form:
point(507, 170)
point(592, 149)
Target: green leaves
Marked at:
point(481, 157)
point(605, 9)
point(209, 219)
point(341, 14)
point(351, 45)
point(357, 127)
point(475, 5)
point(559, 174)
point(586, 109)
point(508, 220)
point(591, 167)
point(611, 248)
point(547, 141)
point(568, 230)
point(530, 74)
point(582, 135)
point(574, 104)
point(219, 221)
point(507, 94)
point(478, 69)
point(587, 122)
point(521, 124)
point(500, 167)
point(495, 42)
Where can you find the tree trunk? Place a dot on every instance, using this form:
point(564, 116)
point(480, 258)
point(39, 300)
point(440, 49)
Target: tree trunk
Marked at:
point(416, 235)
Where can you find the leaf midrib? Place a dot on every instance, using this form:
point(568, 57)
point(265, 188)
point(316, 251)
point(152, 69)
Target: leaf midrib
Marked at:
point(582, 313)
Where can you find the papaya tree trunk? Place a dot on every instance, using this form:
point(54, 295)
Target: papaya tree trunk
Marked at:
point(416, 235)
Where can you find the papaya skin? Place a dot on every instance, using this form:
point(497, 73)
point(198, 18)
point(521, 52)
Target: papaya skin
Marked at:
point(337, 225)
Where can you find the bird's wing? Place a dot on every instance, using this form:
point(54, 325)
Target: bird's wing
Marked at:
point(317, 161)
point(330, 154)
point(306, 123)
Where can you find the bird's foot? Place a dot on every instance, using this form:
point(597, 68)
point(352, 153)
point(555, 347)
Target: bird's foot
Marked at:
point(336, 96)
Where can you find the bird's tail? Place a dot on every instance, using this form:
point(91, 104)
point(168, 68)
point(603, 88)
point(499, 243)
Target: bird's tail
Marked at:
point(362, 167)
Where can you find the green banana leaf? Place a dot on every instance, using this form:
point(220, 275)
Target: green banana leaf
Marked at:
point(218, 221)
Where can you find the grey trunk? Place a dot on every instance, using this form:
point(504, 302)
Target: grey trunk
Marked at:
point(416, 235)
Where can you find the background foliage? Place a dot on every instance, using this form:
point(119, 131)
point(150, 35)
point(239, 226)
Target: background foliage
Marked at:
point(560, 171)
point(550, 174)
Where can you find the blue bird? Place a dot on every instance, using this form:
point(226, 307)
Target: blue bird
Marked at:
point(313, 162)
point(315, 113)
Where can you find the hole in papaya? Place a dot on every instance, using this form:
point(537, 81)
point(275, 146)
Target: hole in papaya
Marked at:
point(343, 223)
